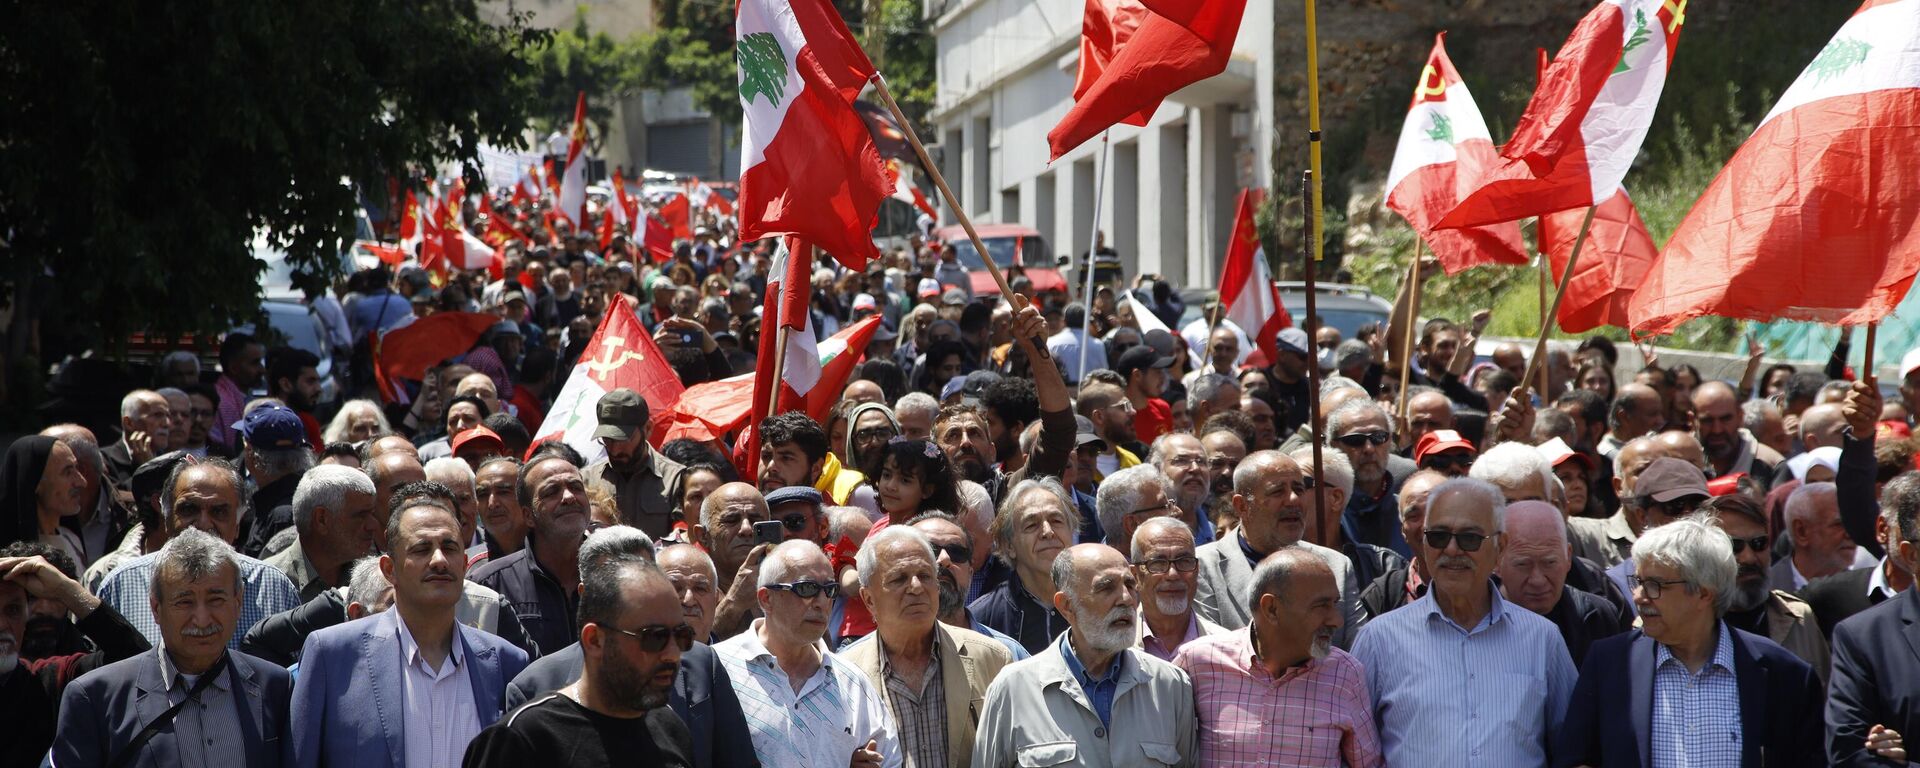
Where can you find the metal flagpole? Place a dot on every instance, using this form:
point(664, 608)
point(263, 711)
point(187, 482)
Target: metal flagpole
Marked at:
point(1093, 238)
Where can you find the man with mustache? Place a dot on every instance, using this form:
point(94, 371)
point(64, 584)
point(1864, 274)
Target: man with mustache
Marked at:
point(30, 688)
point(955, 547)
point(1183, 459)
point(781, 668)
point(1224, 450)
point(1462, 651)
point(1090, 698)
point(1754, 605)
point(1363, 431)
point(726, 530)
point(410, 686)
point(701, 694)
point(638, 475)
point(1276, 692)
point(928, 673)
point(542, 580)
point(1163, 560)
point(1037, 522)
point(190, 701)
point(1717, 422)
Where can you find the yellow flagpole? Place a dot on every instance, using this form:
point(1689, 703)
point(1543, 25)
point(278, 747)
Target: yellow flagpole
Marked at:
point(1313, 130)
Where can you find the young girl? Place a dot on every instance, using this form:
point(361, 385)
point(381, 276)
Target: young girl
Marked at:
point(915, 476)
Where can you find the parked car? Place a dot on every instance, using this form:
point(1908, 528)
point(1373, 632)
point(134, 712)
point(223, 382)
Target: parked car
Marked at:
point(1345, 307)
point(1004, 242)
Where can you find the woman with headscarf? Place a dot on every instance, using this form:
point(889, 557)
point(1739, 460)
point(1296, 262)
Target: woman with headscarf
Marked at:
point(40, 483)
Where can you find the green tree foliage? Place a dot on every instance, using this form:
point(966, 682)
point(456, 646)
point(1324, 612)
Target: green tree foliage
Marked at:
point(579, 60)
point(143, 145)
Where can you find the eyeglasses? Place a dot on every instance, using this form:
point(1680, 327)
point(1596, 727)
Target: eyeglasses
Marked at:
point(1469, 542)
point(1160, 565)
point(1444, 462)
point(1361, 439)
point(1164, 506)
point(795, 522)
point(959, 553)
point(1757, 544)
point(654, 638)
point(808, 590)
point(871, 434)
point(1186, 460)
point(1652, 587)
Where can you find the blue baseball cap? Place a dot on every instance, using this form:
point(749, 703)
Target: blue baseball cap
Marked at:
point(272, 426)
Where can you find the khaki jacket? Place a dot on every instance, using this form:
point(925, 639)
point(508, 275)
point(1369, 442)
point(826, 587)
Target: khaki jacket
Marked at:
point(1037, 715)
point(969, 662)
point(1790, 622)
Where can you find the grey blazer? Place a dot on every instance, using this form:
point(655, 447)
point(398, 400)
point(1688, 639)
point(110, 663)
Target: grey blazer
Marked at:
point(101, 713)
point(1226, 580)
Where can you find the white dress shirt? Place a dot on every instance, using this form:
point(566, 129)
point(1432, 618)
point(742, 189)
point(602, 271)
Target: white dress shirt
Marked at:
point(441, 716)
point(836, 711)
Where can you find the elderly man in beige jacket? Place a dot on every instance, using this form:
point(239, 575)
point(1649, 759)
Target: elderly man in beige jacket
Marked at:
point(1090, 698)
point(932, 676)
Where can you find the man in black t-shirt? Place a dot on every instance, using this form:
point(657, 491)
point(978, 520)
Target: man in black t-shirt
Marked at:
point(631, 636)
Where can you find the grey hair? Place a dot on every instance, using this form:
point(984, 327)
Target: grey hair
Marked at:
point(1207, 386)
point(868, 559)
point(1336, 468)
point(713, 571)
point(1275, 571)
point(1754, 413)
point(1154, 527)
point(1800, 505)
point(336, 431)
point(1509, 464)
point(448, 465)
point(366, 582)
point(1157, 453)
point(1697, 548)
point(1477, 490)
point(614, 542)
point(773, 569)
point(1352, 352)
point(1353, 410)
point(193, 555)
point(917, 402)
point(326, 486)
point(1120, 494)
point(1004, 524)
point(1900, 505)
point(846, 522)
point(171, 392)
point(1332, 384)
point(974, 501)
point(179, 356)
point(130, 404)
point(281, 462)
point(226, 468)
point(1062, 574)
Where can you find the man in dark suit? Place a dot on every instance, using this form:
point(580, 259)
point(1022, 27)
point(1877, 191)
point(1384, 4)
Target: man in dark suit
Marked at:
point(190, 702)
point(369, 691)
point(1876, 654)
point(1836, 597)
point(1688, 689)
point(1533, 573)
point(702, 693)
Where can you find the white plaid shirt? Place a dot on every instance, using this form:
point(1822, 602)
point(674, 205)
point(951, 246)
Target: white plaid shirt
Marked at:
point(268, 591)
point(1696, 717)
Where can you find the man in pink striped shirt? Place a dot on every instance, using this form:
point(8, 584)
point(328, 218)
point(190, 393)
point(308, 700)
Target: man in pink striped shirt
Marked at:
point(241, 366)
point(1277, 692)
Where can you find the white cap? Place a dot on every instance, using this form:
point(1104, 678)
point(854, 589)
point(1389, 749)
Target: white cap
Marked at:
point(1910, 363)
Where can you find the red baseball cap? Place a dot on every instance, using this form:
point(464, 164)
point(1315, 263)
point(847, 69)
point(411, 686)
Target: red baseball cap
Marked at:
point(480, 437)
point(1438, 441)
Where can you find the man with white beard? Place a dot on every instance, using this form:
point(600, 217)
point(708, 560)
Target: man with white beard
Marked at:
point(1089, 698)
point(1276, 692)
point(1169, 573)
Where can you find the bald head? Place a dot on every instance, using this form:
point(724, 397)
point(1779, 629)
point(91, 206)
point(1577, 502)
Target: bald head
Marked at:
point(1632, 459)
point(1685, 447)
point(1637, 410)
point(1820, 426)
point(69, 433)
point(1536, 524)
point(1511, 358)
point(1331, 401)
point(864, 391)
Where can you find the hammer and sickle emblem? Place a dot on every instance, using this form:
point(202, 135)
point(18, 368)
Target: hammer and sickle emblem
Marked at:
point(607, 363)
point(1679, 12)
point(1431, 83)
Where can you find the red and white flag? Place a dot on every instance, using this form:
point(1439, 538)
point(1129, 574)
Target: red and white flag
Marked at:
point(413, 227)
point(808, 164)
point(1584, 125)
point(1618, 253)
point(906, 191)
point(573, 180)
point(532, 185)
point(1247, 293)
point(1444, 148)
point(459, 248)
point(1817, 217)
point(621, 354)
point(704, 198)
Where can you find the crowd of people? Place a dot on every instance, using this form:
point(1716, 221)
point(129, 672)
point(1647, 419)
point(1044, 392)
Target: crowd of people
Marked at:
point(988, 553)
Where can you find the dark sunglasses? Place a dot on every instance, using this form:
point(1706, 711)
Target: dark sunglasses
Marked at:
point(795, 522)
point(1469, 542)
point(808, 590)
point(1444, 462)
point(654, 638)
point(1757, 544)
point(959, 553)
point(1361, 439)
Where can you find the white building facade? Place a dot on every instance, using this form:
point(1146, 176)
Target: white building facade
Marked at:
point(1006, 76)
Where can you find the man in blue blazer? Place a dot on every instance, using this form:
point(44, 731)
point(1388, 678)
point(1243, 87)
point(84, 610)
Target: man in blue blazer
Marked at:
point(410, 687)
point(1688, 687)
point(189, 702)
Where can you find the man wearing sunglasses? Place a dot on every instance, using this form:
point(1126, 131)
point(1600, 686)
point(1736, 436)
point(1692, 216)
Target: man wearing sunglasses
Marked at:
point(954, 546)
point(1460, 676)
point(1444, 451)
point(615, 712)
point(1667, 490)
point(1754, 606)
point(1362, 430)
point(781, 667)
point(1163, 558)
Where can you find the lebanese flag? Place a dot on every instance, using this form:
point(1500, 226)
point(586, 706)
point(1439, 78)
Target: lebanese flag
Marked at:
point(573, 180)
point(704, 198)
point(1176, 43)
point(1817, 217)
point(678, 215)
point(460, 249)
point(1618, 253)
point(1584, 125)
point(621, 354)
point(1247, 291)
point(1444, 148)
point(658, 239)
point(908, 192)
point(809, 168)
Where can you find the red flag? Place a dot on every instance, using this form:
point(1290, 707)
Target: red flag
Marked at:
point(1618, 253)
point(658, 240)
point(392, 255)
point(809, 167)
point(679, 216)
point(621, 354)
point(1247, 293)
point(1817, 217)
point(1584, 125)
point(1104, 27)
point(1177, 43)
point(712, 409)
point(408, 351)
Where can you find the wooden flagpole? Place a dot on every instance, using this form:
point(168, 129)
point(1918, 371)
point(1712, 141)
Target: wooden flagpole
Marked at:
point(1546, 326)
point(1313, 145)
point(1413, 321)
point(1866, 367)
point(1546, 276)
point(1328, 528)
